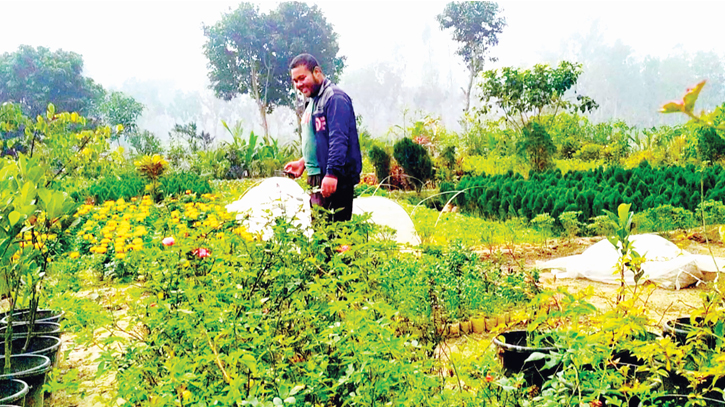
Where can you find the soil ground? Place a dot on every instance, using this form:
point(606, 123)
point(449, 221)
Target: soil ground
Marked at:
point(663, 304)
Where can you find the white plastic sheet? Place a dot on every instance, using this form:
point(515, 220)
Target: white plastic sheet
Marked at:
point(666, 265)
point(279, 196)
point(385, 212)
point(274, 197)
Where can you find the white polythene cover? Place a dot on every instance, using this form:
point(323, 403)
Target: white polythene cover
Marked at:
point(385, 212)
point(665, 264)
point(278, 196)
point(272, 198)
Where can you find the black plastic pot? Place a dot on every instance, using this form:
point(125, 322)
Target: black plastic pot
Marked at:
point(39, 345)
point(13, 391)
point(39, 328)
point(679, 328)
point(41, 315)
point(678, 400)
point(32, 370)
point(514, 350)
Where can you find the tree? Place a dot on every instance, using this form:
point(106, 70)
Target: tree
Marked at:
point(119, 108)
point(476, 26)
point(35, 78)
point(524, 96)
point(249, 53)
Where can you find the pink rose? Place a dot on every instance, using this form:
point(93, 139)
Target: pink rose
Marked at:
point(202, 252)
point(168, 241)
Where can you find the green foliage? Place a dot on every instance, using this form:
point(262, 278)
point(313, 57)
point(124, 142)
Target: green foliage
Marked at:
point(145, 142)
point(125, 185)
point(602, 225)
point(180, 183)
point(476, 26)
point(645, 187)
point(664, 218)
point(415, 160)
point(629, 260)
point(570, 223)
point(35, 77)
point(33, 218)
point(249, 52)
point(188, 136)
point(119, 108)
point(524, 95)
point(381, 161)
point(537, 145)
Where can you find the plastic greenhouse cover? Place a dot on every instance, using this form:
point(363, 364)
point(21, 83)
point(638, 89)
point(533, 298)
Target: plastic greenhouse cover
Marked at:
point(665, 264)
point(278, 196)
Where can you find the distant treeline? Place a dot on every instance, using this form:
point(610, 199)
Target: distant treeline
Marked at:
point(645, 187)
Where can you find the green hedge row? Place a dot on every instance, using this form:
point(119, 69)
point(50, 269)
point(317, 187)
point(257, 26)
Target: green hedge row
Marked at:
point(645, 187)
point(131, 184)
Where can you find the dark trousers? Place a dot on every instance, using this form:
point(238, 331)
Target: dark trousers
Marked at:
point(340, 201)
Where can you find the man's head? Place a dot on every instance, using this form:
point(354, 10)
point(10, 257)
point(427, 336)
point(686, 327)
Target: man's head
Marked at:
point(306, 74)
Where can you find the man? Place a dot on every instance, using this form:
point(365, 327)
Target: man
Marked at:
point(330, 143)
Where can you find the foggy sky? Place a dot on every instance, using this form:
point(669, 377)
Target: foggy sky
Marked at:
point(161, 41)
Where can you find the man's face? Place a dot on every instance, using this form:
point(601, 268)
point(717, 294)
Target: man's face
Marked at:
point(305, 81)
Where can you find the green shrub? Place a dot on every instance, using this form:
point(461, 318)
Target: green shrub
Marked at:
point(570, 223)
point(601, 225)
point(112, 187)
point(664, 218)
point(714, 212)
point(415, 160)
point(381, 162)
point(180, 182)
point(590, 152)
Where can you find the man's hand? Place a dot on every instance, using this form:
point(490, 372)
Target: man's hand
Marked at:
point(296, 168)
point(329, 185)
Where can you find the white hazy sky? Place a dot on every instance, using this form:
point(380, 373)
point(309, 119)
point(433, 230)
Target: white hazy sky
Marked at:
point(120, 40)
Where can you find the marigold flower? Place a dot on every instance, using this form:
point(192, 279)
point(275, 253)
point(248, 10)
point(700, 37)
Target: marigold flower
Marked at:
point(74, 255)
point(489, 378)
point(168, 241)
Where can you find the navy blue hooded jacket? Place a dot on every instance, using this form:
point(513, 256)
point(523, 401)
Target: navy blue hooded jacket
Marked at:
point(338, 144)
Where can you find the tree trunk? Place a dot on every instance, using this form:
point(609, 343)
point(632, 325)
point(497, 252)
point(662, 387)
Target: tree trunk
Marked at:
point(299, 111)
point(263, 114)
point(467, 92)
point(260, 104)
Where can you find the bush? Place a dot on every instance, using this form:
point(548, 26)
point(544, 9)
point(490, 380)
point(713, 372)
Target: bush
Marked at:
point(570, 223)
point(714, 212)
point(415, 160)
point(180, 182)
point(664, 218)
point(590, 152)
point(601, 225)
point(381, 162)
point(110, 188)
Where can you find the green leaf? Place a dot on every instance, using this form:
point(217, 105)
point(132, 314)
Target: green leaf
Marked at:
point(14, 217)
point(691, 96)
point(673, 107)
point(51, 111)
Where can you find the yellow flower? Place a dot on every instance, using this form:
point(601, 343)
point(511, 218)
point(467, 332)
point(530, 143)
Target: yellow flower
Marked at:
point(74, 255)
point(101, 249)
point(120, 255)
point(137, 241)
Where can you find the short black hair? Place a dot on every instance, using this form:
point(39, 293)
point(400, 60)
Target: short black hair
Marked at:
point(304, 59)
